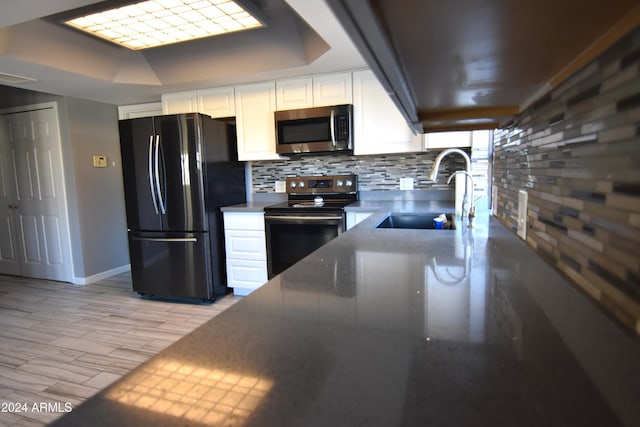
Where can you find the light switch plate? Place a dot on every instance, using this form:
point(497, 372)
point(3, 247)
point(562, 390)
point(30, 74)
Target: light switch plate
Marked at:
point(99, 161)
point(523, 198)
point(406, 183)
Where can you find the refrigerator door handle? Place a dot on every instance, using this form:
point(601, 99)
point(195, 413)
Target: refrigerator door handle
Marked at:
point(151, 176)
point(163, 208)
point(167, 239)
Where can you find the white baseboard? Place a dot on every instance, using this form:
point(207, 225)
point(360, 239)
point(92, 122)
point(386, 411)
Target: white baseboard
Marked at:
point(100, 276)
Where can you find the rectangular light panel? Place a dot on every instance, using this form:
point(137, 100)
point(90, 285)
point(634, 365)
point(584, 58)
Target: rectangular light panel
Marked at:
point(159, 22)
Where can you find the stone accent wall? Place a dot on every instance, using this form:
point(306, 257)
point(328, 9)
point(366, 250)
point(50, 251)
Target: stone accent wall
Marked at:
point(576, 152)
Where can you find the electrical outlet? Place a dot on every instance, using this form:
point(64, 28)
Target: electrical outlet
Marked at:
point(406, 183)
point(281, 186)
point(523, 199)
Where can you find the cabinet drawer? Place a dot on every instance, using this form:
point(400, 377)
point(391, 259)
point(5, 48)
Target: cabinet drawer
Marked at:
point(243, 221)
point(245, 245)
point(245, 276)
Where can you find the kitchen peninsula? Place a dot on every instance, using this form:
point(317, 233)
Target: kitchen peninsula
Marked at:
point(386, 327)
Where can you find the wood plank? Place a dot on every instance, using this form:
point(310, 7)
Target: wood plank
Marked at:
point(63, 343)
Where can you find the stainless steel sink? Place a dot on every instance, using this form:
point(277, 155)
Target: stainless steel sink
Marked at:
point(415, 221)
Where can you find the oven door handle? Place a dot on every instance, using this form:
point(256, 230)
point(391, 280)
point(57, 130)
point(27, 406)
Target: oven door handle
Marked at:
point(304, 217)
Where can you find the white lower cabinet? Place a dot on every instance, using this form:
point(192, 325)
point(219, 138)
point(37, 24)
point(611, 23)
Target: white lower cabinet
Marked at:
point(354, 218)
point(246, 252)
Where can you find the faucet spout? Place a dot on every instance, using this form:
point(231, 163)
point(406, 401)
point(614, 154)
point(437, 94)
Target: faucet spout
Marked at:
point(433, 175)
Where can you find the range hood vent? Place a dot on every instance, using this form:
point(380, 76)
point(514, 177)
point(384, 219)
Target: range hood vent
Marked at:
point(13, 79)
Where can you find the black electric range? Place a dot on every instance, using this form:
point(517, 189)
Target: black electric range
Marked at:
point(312, 216)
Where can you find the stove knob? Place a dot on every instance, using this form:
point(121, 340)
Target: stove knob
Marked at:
point(349, 183)
point(339, 183)
point(301, 184)
point(292, 185)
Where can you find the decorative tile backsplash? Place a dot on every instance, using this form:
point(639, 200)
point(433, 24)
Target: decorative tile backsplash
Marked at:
point(381, 172)
point(576, 152)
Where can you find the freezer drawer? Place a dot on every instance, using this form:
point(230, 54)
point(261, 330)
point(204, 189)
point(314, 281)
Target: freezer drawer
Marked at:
point(171, 264)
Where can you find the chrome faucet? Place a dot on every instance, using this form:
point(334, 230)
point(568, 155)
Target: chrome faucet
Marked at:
point(467, 201)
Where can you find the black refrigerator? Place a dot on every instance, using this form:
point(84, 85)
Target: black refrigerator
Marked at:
point(178, 171)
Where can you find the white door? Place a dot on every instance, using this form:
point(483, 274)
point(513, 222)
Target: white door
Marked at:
point(9, 259)
point(39, 205)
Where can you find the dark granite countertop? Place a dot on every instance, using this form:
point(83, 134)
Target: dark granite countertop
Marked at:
point(247, 207)
point(400, 206)
point(384, 327)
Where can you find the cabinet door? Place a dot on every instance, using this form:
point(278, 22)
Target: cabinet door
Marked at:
point(217, 102)
point(435, 140)
point(139, 110)
point(246, 276)
point(332, 89)
point(180, 102)
point(378, 125)
point(294, 93)
point(245, 244)
point(255, 105)
point(354, 218)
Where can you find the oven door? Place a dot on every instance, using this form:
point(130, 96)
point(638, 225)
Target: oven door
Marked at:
point(291, 237)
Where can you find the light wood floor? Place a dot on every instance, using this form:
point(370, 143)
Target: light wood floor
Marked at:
point(61, 343)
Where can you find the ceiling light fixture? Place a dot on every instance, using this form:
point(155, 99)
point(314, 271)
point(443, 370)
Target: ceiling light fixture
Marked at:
point(155, 23)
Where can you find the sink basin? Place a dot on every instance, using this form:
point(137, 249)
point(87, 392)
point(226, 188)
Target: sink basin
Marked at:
point(415, 221)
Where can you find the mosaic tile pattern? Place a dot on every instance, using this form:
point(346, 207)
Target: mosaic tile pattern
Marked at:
point(381, 172)
point(577, 153)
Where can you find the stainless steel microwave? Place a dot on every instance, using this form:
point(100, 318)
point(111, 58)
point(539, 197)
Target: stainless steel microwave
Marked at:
point(315, 130)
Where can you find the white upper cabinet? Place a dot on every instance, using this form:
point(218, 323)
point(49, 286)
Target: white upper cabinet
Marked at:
point(332, 89)
point(294, 93)
point(180, 102)
point(378, 125)
point(316, 91)
point(134, 111)
point(458, 139)
point(255, 124)
point(217, 102)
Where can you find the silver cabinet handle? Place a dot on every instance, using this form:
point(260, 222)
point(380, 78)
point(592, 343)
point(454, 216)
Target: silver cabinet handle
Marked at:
point(158, 188)
point(151, 175)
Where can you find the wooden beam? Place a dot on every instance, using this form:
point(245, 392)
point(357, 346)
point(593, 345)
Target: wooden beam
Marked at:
point(467, 113)
point(452, 127)
point(615, 33)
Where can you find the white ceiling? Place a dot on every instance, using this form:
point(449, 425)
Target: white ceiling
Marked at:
point(302, 37)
